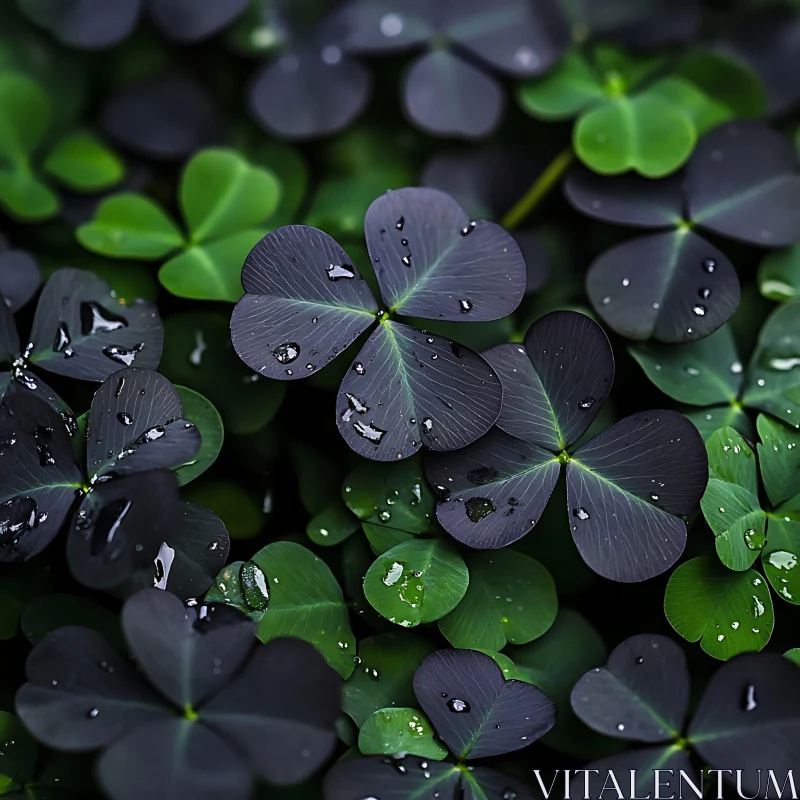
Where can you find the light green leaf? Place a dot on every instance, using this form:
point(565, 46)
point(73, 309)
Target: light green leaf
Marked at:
point(201, 412)
point(291, 170)
point(705, 112)
point(731, 459)
point(384, 674)
point(644, 133)
point(564, 92)
point(417, 581)
point(382, 539)
point(779, 458)
point(793, 655)
point(84, 163)
point(222, 194)
point(727, 612)
point(289, 591)
point(510, 598)
point(395, 495)
point(26, 197)
point(773, 379)
point(332, 525)
point(130, 226)
point(780, 556)
point(738, 523)
point(399, 732)
point(210, 271)
point(779, 274)
point(25, 115)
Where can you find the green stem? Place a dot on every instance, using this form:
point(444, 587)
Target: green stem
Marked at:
point(539, 190)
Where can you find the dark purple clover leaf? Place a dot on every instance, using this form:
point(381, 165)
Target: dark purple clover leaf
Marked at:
point(178, 754)
point(194, 550)
point(492, 492)
point(9, 338)
point(136, 424)
point(279, 711)
point(305, 302)
point(83, 694)
point(749, 715)
point(642, 693)
point(166, 118)
point(743, 182)
point(309, 91)
point(392, 779)
point(627, 490)
point(193, 20)
point(385, 26)
point(19, 278)
point(408, 388)
point(39, 475)
point(85, 24)
point(81, 330)
point(432, 261)
point(188, 654)
point(119, 527)
point(477, 712)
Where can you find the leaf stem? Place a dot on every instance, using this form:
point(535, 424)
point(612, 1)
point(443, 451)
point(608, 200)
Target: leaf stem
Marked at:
point(539, 189)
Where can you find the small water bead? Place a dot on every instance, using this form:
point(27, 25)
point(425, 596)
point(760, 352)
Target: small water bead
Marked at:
point(626, 281)
point(479, 508)
point(369, 432)
point(406, 260)
point(125, 418)
point(736, 368)
point(287, 352)
point(458, 706)
point(700, 310)
point(709, 265)
point(358, 368)
point(580, 513)
point(606, 300)
point(466, 306)
point(122, 355)
point(391, 25)
point(586, 403)
point(97, 319)
point(400, 223)
point(467, 229)
point(621, 726)
point(92, 713)
point(337, 272)
point(640, 660)
point(704, 293)
point(62, 338)
point(750, 701)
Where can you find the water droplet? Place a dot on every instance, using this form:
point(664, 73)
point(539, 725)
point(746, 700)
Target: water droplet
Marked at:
point(196, 356)
point(781, 559)
point(92, 713)
point(479, 508)
point(96, 319)
point(163, 564)
point(736, 368)
point(458, 706)
point(466, 306)
point(758, 607)
point(700, 310)
point(709, 265)
point(123, 355)
point(467, 229)
point(606, 300)
point(626, 281)
point(393, 574)
point(580, 513)
point(621, 726)
point(42, 437)
point(427, 423)
point(704, 293)
point(331, 54)
point(693, 371)
point(354, 405)
point(62, 338)
point(254, 586)
point(391, 25)
point(107, 526)
point(358, 368)
point(784, 364)
point(399, 224)
point(125, 418)
point(640, 660)
point(372, 433)
point(406, 260)
point(337, 272)
point(287, 352)
point(755, 540)
point(586, 403)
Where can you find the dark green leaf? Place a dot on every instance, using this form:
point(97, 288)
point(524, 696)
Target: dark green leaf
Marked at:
point(201, 413)
point(399, 732)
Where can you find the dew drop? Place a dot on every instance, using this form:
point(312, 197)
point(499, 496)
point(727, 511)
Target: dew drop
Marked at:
point(62, 338)
point(96, 319)
point(700, 310)
point(337, 272)
point(750, 702)
point(125, 418)
point(479, 508)
point(709, 265)
point(466, 306)
point(254, 586)
point(372, 433)
point(458, 706)
point(580, 513)
point(704, 293)
point(586, 403)
point(287, 352)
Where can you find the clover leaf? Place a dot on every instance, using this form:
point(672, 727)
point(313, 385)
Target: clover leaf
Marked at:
point(625, 502)
point(288, 591)
point(265, 711)
point(305, 302)
point(444, 92)
point(129, 528)
point(78, 160)
point(709, 374)
point(745, 528)
point(673, 285)
point(224, 201)
point(630, 116)
point(474, 711)
point(749, 712)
